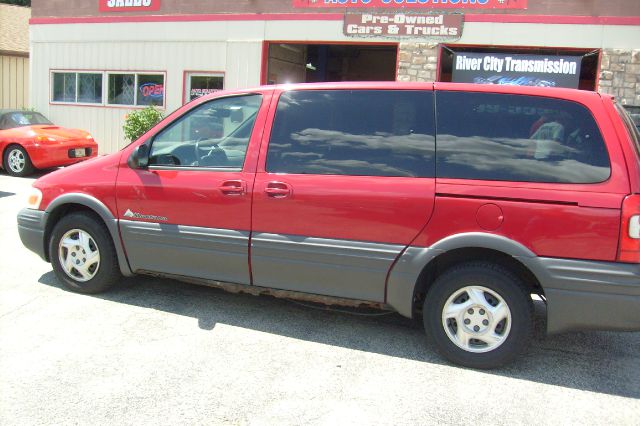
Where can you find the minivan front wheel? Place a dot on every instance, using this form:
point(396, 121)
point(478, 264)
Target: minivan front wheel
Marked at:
point(79, 255)
point(83, 255)
point(479, 315)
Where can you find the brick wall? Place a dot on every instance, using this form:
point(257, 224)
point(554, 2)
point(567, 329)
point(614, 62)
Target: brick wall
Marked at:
point(620, 75)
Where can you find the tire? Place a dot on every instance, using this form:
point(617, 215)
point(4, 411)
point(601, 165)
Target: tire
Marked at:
point(73, 245)
point(16, 161)
point(476, 330)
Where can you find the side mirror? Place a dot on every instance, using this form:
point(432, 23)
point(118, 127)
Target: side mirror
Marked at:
point(139, 158)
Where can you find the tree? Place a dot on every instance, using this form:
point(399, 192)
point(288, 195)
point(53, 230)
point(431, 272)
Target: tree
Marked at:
point(18, 2)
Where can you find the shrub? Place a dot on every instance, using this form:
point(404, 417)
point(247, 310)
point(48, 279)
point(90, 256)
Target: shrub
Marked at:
point(137, 123)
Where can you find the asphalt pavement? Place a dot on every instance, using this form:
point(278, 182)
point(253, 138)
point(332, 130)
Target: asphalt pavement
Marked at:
point(163, 352)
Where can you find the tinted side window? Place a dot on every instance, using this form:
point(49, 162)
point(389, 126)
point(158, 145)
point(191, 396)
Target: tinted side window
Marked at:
point(359, 132)
point(518, 138)
point(632, 124)
point(214, 134)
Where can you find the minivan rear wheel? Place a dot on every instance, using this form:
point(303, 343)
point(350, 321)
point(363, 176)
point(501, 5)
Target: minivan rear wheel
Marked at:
point(479, 315)
point(83, 255)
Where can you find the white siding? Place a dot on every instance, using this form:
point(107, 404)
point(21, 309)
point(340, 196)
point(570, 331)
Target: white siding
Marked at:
point(233, 47)
point(556, 35)
point(170, 48)
point(244, 61)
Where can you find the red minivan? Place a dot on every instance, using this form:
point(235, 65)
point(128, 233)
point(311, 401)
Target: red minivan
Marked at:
point(451, 202)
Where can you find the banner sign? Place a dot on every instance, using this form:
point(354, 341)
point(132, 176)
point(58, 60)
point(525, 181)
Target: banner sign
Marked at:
point(414, 4)
point(128, 5)
point(403, 25)
point(516, 69)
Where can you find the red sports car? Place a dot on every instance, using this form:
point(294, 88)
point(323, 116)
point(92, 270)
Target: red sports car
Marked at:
point(29, 141)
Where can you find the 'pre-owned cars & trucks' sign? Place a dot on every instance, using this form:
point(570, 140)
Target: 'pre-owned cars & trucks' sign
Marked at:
point(128, 5)
point(403, 25)
point(417, 4)
point(517, 69)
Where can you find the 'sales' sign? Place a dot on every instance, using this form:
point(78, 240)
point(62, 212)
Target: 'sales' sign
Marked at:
point(129, 5)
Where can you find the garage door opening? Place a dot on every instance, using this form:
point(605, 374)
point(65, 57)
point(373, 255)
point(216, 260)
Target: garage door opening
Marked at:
point(312, 63)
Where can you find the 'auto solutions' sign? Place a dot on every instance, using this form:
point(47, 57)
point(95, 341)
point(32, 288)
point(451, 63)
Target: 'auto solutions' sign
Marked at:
point(417, 4)
point(403, 25)
point(128, 5)
point(516, 69)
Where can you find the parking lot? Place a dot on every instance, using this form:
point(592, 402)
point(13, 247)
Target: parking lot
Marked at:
point(164, 352)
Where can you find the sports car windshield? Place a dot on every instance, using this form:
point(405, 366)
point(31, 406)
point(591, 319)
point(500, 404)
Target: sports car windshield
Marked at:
point(21, 119)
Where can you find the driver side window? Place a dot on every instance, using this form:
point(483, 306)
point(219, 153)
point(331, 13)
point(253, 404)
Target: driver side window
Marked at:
point(214, 134)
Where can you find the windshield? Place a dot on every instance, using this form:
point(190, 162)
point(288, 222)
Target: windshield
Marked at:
point(22, 118)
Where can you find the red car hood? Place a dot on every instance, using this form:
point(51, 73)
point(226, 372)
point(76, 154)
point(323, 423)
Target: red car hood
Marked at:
point(52, 131)
point(58, 132)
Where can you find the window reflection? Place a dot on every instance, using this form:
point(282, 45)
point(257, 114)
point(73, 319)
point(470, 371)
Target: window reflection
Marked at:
point(518, 138)
point(370, 133)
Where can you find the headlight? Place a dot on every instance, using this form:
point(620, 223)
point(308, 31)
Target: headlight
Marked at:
point(45, 139)
point(34, 199)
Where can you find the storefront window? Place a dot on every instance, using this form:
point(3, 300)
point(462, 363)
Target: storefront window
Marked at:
point(90, 88)
point(64, 87)
point(150, 90)
point(201, 84)
point(122, 89)
point(136, 89)
point(72, 87)
point(126, 89)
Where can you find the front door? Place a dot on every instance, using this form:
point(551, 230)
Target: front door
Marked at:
point(188, 213)
point(345, 183)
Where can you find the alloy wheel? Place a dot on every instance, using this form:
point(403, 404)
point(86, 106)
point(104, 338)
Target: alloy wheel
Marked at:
point(16, 160)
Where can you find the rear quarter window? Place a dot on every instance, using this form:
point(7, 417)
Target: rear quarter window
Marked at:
point(502, 137)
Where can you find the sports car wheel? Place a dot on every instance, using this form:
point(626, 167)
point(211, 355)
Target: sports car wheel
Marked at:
point(17, 162)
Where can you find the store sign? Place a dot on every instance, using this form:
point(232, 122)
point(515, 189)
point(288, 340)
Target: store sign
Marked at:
point(403, 25)
point(198, 93)
point(128, 5)
point(516, 69)
point(152, 91)
point(200, 84)
point(414, 4)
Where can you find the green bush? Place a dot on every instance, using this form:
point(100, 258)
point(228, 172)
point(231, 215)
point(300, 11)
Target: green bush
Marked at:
point(137, 123)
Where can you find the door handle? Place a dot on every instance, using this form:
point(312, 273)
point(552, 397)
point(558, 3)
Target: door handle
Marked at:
point(278, 190)
point(233, 187)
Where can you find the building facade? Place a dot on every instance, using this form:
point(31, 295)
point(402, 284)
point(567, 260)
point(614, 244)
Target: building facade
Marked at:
point(14, 56)
point(95, 60)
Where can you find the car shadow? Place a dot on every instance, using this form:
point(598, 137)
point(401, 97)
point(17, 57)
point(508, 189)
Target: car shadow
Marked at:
point(600, 362)
point(34, 176)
